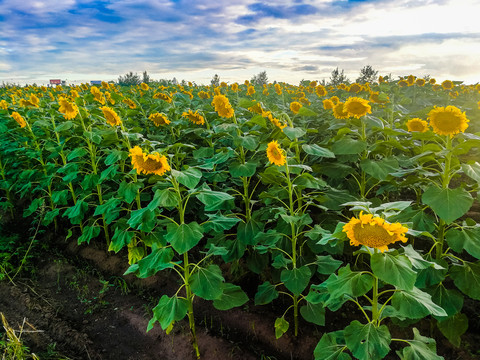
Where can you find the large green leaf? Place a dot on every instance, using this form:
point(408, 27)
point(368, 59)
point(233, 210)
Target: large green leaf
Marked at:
point(415, 304)
point(317, 151)
point(467, 278)
point(266, 293)
point(121, 238)
point(213, 200)
point(394, 270)
point(472, 171)
point(143, 219)
point(314, 313)
point(218, 222)
point(348, 146)
point(128, 191)
point(207, 282)
point(348, 282)
point(159, 259)
point(294, 133)
point(247, 169)
point(454, 327)
point(184, 237)
point(449, 299)
point(421, 348)
point(168, 311)
point(246, 232)
point(297, 279)
point(110, 209)
point(331, 347)
point(190, 177)
point(327, 264)
point(89, 233)
point(367, 341)
point(468, 239)
point(379, 169)
point(448, 204)
point(232, 296)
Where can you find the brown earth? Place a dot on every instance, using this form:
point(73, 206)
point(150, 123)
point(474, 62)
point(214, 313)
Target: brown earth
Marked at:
point(77, 300)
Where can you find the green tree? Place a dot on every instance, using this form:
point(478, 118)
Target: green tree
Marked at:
point(338, 77)
point(129, 79)
point(367, 74)
point(260, 79)
point(215, 80)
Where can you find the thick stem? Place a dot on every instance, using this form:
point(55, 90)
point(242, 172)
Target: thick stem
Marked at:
point(375, 312)
point(295, 313)
point(189, 296)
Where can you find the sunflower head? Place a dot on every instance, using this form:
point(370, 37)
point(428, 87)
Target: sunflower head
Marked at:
point(19, 119)
point(68, 109)
point(222, 106)
point(403, 83)
point(111, 116)
point(163, 97)
point(3, 105)
point(194, 117)
point(339, 111)
point(250, 90)
point(420, 82)
point(278, 89)
point(447, 120)
point(357, 107)
point(159, 119)
point(411, 80)
point(448, 85)
point(148, 163)
point(275, 154)
point(295, 107)
point(355, 88)
point(328, 104)
point(204, 94)
point(374, 232)
point(130, 103)
point(234, 87)
point(376, 98)
point(432, 81)
point(321, 91)
point(417, 125)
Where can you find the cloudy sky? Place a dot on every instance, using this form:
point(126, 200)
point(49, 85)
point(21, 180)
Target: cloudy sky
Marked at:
point(83, 40)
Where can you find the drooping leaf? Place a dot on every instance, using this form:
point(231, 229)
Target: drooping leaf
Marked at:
point(296, 279)
point(367, 341)
point(454, 327)
point(232, 296)
point(467, 278)
point(281, 326)
point(415, 304)
point(314, 313)
point(394, 270)
point(331, 347)
point(420, 348)
point(207, 283)
point(184, 237)
point(266, 293)
point(464, 239)
point(168, 311)
point(190, 177)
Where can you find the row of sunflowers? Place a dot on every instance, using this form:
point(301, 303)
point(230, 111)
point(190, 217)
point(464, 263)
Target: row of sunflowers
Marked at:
point(309, 187)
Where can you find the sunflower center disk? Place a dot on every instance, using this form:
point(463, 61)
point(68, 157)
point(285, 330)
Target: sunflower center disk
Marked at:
point(374, 236)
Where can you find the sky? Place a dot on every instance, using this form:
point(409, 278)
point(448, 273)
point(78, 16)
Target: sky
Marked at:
point(83, 40)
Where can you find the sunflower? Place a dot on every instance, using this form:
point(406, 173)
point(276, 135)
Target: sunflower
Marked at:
point(256, 108)
point(130, 103)
point(234, 87)
point(411, 80)
point(144, 86)
point(335, 100)
point(381, 79)
point(355, 87)
point(432, 81)
point(159, 119)
point(420, 82)
point(304, 100)
point(222, 106)
point(3, 105)
point(320, 90)
point(163, 97)
point(194, 117)
point(448, 85)
point(328, 104)
point(295, 107)
point(205, 95)
point(278, 89)
point(375, 97)
point(111, 116)
point(374, 232)
point(68, 109)
point(250, 90)
point(276, 154)
point(109, 98)
point(357, 107)
point(148, 163)
point(19, 119)
point(447, 120)
point(403, 83)
point(339, 111)
point(417, 125)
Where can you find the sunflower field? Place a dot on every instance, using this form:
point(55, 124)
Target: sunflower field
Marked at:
point(357, 194)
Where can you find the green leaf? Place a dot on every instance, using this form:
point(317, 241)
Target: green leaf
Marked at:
point(128, 191)
point(168, 311)
point(331, 347)
point(213, 200)
point(89, 232)
point(415, 304)
point(464, 238)
point(109, 173)
point(314, 313)
point(348, 146)
point(159, 259)
point(421, 348)
point(318, 151)
point(297, 279)
point(190, 177)
point(448, 299)
point(454, 327)
point(467, 278)
point(304, 111)
point(232, 296)
point(448, 204)
point(293, 133)
point(418, 261)
point(60, 197)
point(281, 327)
point(379, 169)
point(114, 156)
point(207, 282)
point(79, 152)
point(203, 152)
point(472, 171)
point(143, 219)
point(349, 283)
point(266, 293)
point(327, 264)
point(248, 169)
point(110, 209)
point(164, 198)
point(76, 212)
point(246, 232)
point(120, 238)
point(394, 270)
point(66, 125)
point(36, 203)
point(218, 222)
point(367, 341)
point(184, 237)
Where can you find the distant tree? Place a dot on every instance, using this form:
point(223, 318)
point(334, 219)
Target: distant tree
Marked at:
point(129, 79)
point(304, 82)
point(146, 77)
point(260, 79)
point(338, 77)
point(215, 80)
point(367, 74)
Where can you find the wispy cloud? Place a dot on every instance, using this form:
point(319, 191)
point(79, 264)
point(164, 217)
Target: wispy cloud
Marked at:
point(290, 39)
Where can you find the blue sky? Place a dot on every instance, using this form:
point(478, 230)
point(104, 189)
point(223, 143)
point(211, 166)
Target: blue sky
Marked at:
point(83, 40)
